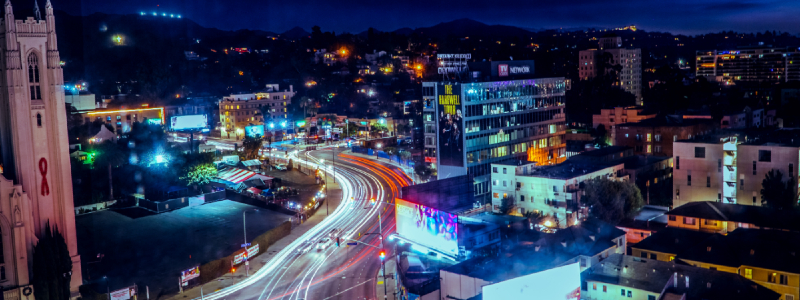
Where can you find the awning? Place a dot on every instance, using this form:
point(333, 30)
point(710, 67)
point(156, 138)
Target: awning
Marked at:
point(254, 190)
point(252, 162)
point(235, 175)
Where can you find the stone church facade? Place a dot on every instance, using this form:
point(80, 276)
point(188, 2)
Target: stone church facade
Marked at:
point(36, 186)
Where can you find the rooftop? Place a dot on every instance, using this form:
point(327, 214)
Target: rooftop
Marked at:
point(551, 250)
point(768, 249)
point(569, 169)
point(757, 215)
point(789, 137)
point(657, 276)
point(672, 240)
point(664, 121)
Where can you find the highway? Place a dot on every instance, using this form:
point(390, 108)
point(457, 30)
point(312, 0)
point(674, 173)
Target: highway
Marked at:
point(345, 272)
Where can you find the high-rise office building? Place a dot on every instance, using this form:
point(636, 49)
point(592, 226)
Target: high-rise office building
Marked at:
point(591, 62)
point(750, 64)
point(494, 111)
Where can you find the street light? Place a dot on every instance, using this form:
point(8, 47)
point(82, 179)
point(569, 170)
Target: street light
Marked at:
point(244, 222)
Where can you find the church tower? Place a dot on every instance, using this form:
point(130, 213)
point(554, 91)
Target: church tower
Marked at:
point(36, 186)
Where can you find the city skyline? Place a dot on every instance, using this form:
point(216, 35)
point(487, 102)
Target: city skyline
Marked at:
point(680, 17)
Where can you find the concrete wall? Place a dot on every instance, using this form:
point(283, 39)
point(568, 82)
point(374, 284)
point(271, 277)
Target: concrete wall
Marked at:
point(457, 286)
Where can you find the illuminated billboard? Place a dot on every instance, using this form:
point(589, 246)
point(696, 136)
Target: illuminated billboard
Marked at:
point(562, 283)
point(189, 122)
point(254, 131)
point(450, 128)
point(426, 226)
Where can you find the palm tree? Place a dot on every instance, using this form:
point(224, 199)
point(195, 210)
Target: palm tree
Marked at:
point(109, 154)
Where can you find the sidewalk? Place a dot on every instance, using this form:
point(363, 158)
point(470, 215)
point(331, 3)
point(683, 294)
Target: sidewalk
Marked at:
point(335, 195)
point(389, 282)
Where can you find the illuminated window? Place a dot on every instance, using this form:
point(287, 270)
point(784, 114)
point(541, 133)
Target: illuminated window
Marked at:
point(649, 148)
point(594, 286)
point(648, 137)
point(237, 107)
point(772, 277)
point(605, 289)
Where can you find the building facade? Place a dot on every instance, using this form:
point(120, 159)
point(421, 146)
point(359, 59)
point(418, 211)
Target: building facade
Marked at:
point(591, 62)
point(655, 136)
point(618, 115)
point(479, 123)
point(37, 183)
point(123, 119)
point(553, 191)
point(238, 111)
point(753, 64)
point(730, 169)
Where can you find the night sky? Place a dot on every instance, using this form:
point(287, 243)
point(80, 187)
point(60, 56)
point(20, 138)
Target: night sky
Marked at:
point(677, 16)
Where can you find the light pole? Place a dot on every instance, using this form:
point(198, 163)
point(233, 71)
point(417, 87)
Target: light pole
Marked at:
point(244, 228)
point(327, 211)
point(108, 291)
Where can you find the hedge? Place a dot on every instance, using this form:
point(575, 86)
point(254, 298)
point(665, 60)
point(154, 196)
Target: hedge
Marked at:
point(217, 268)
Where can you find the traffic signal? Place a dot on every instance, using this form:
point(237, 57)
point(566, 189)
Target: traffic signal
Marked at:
point(372, 201)
point(337, 241)
point(233, 270)
point(382, 254)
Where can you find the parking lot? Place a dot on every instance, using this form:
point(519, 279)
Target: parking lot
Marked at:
point(152, 250)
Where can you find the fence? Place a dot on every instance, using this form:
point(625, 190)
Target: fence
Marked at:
point(395, 158)
point(93, 207)
point(217, 268)
point(173, 204)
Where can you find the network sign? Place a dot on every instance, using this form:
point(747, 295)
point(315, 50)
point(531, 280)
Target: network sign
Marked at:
point(427, 226)
point(561, 283)
point(189, 122)
point(254, 131)
point(252, 251)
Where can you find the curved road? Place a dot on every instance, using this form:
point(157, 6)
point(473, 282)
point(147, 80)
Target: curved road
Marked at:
point(346, 272)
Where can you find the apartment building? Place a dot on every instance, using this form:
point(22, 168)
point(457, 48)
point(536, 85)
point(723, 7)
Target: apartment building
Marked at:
point(767, 257)
point(591, 63)
point(750, 64)
point(611, 117)
point(729, 167)
point(238, 111)
point(655, 136)
point(551, 190)
point(631, 277)
point(716, 217)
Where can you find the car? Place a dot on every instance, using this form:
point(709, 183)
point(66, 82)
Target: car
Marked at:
point(305, 246)
point(281, 167)
point(323, 244)
point(334, 233)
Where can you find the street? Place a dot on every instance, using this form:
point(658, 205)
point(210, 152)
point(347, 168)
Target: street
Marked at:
point(345, 272)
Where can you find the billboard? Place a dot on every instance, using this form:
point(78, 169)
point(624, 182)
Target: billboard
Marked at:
point(512, 68)
point(252, 251)
point(450, 128)
point(562, 283)
point(123, 294)
point(254, 130)
point(188, 122)
point(427, 226)
point(190, 274)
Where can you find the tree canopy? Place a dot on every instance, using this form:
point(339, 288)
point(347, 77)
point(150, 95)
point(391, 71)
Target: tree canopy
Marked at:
point(52, 266)
point(611, 200)
point(776, 193)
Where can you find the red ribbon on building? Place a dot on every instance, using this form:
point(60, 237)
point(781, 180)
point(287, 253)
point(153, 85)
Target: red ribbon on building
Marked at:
point(43, 170)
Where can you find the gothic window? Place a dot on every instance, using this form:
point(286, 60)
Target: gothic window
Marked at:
point(39, 120)
point(33, 76)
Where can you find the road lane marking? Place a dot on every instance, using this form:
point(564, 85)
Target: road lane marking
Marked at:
point(352, 287)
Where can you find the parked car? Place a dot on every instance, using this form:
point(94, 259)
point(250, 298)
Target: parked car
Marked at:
point(323, 244)
point(281, 167)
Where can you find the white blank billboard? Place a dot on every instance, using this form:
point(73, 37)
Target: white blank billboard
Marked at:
point(188, 122)
point(562, 283)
